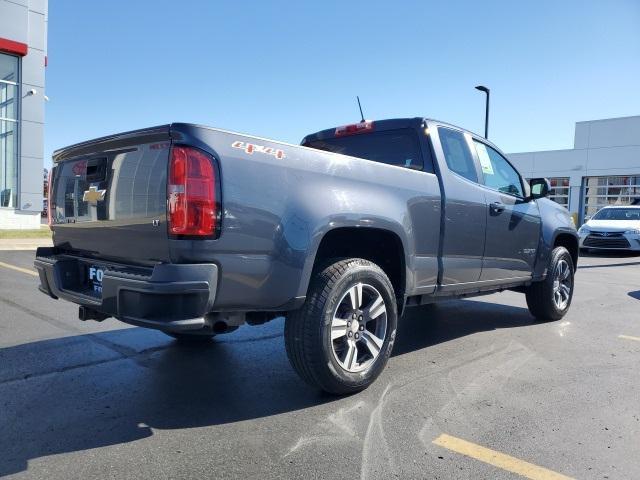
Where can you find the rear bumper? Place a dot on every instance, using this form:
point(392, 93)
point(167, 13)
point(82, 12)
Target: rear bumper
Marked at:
point(171, 297)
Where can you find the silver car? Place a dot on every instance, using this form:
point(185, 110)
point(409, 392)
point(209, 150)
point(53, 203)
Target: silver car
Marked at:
point(612, 228)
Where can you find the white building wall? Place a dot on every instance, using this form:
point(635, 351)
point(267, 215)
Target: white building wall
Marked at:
point(25, 21)
point(606, 147)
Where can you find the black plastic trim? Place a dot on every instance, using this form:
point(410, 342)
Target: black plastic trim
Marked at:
point(167, 296)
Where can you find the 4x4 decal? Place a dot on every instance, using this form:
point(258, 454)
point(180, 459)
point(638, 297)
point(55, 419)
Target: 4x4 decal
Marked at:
point(250, 148)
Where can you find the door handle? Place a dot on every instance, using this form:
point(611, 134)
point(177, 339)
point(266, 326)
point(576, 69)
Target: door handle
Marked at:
point(497, 207)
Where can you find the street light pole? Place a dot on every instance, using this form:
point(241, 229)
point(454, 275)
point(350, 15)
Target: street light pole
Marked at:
point(486, 113)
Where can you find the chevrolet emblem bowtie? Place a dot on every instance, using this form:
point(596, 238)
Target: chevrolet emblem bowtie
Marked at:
point(93, 195)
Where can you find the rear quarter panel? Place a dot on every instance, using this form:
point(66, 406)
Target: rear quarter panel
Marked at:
point(278, 206)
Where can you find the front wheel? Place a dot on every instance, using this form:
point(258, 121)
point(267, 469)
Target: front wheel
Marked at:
point(550, 298)
point(341, 338)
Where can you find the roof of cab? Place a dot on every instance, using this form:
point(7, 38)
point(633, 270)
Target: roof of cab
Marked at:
point(392, 124)
point(389, 124)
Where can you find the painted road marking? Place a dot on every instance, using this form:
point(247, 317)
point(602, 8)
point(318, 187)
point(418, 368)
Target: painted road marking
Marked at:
point(497, 459)
point(629, 337)
point(19, 269)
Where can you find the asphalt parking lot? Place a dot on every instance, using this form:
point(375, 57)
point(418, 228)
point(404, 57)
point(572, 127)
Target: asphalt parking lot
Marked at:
point(475, 389)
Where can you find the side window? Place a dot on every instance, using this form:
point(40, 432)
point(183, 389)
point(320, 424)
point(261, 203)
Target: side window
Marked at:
point(497, 172)
point(457, 154)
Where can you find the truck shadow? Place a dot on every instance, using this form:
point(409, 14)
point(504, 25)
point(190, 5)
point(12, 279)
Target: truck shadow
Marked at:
point(111, 392)
point(432, 324)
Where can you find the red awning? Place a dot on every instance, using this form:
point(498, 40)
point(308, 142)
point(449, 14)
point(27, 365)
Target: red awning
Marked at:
point(9, 46)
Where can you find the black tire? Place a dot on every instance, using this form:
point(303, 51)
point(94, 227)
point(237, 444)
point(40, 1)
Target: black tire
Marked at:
point(542, 296)
point(191, 338)
point(309, 341)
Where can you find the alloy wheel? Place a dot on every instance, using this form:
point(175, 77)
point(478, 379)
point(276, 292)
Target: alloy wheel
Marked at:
point(562, 284)
point(359, 327)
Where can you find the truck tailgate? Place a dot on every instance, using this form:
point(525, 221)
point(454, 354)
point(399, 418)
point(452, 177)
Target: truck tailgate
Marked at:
point(108, 197)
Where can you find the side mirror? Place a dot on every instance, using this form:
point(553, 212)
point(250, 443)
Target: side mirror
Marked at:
point(540, 188)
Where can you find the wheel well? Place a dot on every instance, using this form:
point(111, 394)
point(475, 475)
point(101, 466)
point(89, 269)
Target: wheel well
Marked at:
point(570, 243)
point(382, 247)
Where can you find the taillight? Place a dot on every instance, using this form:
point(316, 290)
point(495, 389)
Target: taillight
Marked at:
point(192, 203)
point(49, 202)
point(354, 129)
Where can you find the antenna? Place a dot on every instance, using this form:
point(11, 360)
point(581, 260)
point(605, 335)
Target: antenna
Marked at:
point(360, 107)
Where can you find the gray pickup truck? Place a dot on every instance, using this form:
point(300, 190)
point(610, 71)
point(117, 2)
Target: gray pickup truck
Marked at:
point(196, 231)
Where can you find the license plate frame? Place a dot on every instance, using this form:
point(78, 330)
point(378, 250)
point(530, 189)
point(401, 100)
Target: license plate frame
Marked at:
point(93, 276)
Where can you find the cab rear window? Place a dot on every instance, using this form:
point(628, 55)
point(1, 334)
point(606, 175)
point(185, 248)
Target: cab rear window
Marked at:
point(398, 147)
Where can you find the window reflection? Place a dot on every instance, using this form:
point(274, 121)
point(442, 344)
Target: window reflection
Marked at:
point(8, 130)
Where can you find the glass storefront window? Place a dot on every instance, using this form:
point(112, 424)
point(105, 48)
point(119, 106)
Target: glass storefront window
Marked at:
point(8, 164)
point(8, 101)
point(602, 191)
point(560, 190)
point(8, 130)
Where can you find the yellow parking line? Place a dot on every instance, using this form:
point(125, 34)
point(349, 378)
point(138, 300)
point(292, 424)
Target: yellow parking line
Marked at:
point(629, 337)
point(18, 269)
point(497, 459)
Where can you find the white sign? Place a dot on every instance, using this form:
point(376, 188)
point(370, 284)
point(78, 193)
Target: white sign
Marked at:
point(483, 156)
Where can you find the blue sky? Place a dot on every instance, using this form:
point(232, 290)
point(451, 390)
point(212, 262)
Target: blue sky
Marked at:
point(281, 69)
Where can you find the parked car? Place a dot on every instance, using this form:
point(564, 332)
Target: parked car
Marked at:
point(196, 231)
point(612, 228)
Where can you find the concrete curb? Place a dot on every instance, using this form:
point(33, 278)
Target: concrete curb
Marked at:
point(24, 243)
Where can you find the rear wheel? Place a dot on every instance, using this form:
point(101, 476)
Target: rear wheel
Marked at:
point(550, 298)
point(341, 338)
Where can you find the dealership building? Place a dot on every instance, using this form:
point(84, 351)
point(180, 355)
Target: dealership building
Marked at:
point(23, 58)
point(602, 168)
